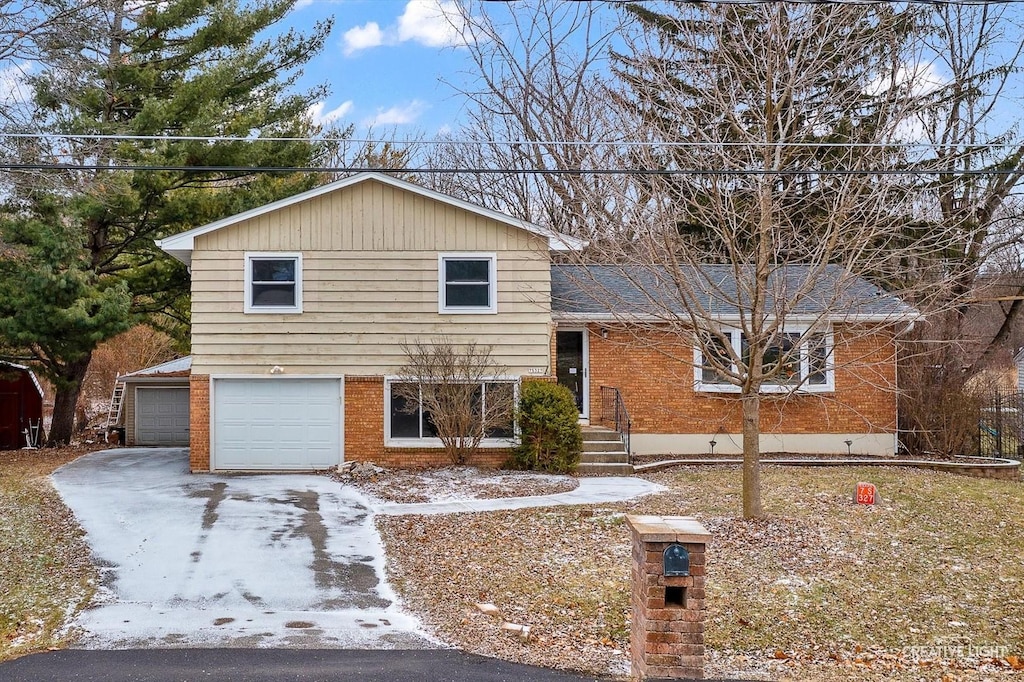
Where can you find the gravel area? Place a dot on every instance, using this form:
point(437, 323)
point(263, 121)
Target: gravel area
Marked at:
point(450, 483)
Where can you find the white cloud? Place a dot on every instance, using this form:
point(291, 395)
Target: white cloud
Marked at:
point(299, 4)
point(322, 118)
point(362, 38)
point(400, 114)
point(432, 23)
point(923, 79)
point(13, 89)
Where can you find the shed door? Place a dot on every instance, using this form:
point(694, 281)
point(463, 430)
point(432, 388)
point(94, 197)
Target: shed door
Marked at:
point(161, 415)
point(276, 424)
point(10, 421)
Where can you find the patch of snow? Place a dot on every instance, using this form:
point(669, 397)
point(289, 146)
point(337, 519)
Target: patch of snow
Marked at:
point(211, 560)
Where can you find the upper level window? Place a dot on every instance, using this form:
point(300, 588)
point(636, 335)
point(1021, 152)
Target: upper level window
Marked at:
point(273, 283)
point(793, 361)
point(466, 283)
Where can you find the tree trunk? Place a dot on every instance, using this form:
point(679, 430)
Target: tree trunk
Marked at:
point(69, 386)
point(752, 456)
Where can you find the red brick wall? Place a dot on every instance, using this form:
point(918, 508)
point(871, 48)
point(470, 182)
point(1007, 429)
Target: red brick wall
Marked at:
point(199, 422)
point(364, 429)
point(656, 381)
point(364, 432)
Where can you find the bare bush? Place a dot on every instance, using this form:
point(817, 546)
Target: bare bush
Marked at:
point(461, 394)
point(138, 348)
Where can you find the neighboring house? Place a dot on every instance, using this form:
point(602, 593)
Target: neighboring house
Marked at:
point(1018, 361)
point(300, 310)
point(155, 410)
point(21, 405)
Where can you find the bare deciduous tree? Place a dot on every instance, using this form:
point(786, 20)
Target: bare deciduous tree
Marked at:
point(138, 348)
point(461, 394)
point(974, 54)
point(539, 102)
point(778, 205)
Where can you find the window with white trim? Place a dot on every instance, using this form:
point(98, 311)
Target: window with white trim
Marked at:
point(406, 420)
point(795, 361)
point(273, 283)
point(467, 283)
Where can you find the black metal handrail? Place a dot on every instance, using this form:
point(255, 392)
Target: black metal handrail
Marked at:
point(613, 411)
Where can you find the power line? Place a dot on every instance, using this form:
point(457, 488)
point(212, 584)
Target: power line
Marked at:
point(809, 2)
point(24, 167)
point(457, 142)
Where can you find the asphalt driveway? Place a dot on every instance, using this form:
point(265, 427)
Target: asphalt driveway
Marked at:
point(199, 560)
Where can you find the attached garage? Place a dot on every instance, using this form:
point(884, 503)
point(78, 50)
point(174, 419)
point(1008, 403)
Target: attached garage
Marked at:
point(276, 423)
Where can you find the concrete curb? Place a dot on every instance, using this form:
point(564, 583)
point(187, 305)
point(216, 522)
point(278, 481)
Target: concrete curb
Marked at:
point(977, 467)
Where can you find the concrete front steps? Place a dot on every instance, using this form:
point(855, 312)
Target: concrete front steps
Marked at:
point(603, 453)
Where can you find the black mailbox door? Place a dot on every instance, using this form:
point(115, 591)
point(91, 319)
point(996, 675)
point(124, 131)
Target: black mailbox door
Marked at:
point(676, 561)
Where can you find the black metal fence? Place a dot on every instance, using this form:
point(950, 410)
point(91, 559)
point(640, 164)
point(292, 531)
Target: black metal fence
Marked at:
point(1001, 426)
point(615, 415)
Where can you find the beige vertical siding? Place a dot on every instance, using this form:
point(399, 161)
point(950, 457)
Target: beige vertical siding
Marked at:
point(370, 284)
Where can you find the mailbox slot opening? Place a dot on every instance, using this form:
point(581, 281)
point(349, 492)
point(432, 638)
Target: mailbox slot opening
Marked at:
point(675, 596)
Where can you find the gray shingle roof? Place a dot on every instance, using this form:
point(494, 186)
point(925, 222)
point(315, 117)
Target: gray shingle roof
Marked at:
point(170, 367)
point(651, 291)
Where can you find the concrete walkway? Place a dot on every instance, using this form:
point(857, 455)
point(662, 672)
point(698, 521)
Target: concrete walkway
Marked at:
point(589, 491)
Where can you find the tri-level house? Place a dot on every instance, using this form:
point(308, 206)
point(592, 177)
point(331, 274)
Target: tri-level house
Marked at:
point(301, 309)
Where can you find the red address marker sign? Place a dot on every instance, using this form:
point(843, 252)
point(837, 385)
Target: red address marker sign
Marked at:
point(866, 493)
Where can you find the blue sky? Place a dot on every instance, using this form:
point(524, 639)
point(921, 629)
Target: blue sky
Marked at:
point(384, 63)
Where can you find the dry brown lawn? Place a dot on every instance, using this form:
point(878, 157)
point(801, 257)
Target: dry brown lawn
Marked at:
point(928, 584)
point(46, 573)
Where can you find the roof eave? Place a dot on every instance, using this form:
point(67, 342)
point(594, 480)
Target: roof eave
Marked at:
point(876, 318)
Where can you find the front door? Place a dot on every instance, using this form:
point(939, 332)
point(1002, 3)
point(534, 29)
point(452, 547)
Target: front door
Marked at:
point(571, 366)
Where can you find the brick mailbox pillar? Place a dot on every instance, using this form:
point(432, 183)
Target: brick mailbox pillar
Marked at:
point(667, 633)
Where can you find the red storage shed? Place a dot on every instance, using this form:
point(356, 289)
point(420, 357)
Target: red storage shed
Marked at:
point(21, 405)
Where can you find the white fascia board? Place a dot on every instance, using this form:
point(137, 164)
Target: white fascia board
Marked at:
point(31, 375)
point(732, 319)
point(180, 246)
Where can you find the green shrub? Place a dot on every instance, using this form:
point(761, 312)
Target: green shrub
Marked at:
point(550, 437)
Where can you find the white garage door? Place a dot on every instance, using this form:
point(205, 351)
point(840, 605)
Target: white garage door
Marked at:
point(161, 416)
point(276, 423)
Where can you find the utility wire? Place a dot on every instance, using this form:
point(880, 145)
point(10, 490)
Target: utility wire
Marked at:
point(494, 171)
point(478, 143)
point(806, 2)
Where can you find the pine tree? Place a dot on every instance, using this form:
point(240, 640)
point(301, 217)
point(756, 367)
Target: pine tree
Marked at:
point(185, 68)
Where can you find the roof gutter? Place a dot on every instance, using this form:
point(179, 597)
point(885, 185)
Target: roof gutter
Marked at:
point(912, 316)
